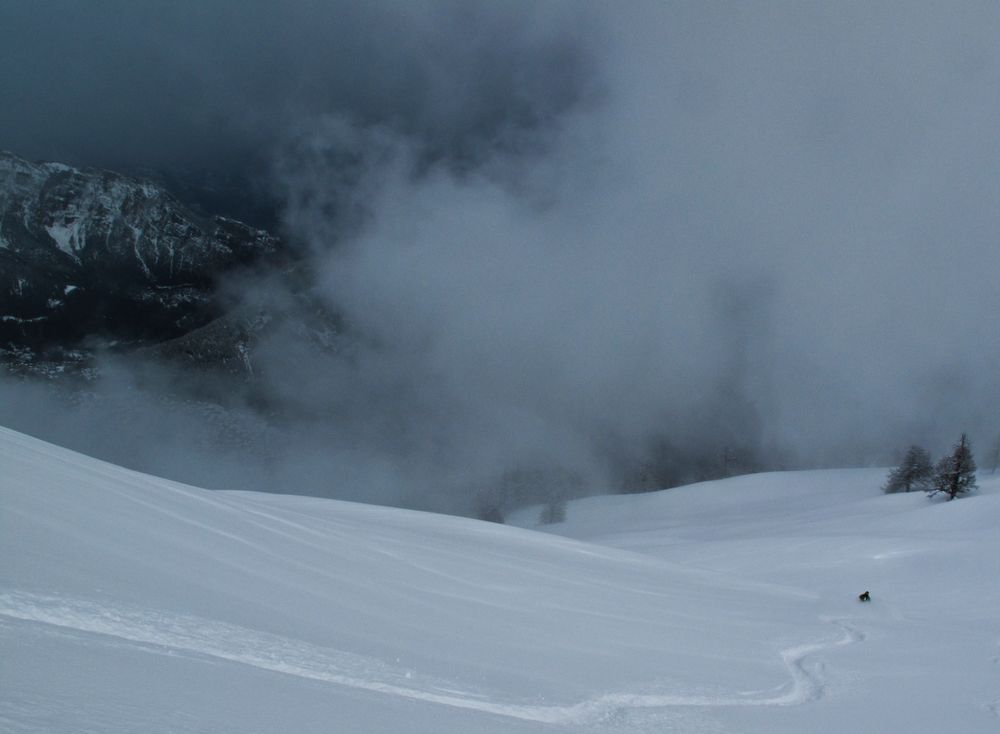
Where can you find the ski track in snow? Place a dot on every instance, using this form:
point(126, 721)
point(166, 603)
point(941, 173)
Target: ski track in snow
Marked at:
point(204, 637)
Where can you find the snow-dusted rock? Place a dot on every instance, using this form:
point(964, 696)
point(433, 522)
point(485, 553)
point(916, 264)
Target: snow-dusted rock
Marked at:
point(86, 251)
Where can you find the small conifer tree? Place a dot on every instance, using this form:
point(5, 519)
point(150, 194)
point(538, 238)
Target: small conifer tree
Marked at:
point(913, 473)
point(955, 473)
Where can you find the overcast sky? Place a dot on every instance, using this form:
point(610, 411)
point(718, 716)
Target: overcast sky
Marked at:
point(567, 226)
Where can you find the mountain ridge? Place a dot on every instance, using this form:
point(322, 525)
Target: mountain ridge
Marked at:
point(87, 253)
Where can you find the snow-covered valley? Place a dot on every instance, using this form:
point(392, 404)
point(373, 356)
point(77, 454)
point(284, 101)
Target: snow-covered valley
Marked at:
point(132, 603)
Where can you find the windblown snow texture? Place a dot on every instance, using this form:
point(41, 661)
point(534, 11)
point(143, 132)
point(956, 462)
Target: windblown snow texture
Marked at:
point(129, 602)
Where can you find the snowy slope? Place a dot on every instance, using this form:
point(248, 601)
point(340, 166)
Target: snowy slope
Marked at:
point(930, 658)
point(130, 603)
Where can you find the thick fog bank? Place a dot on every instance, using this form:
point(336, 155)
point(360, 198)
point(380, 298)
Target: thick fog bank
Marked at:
point(601, 245)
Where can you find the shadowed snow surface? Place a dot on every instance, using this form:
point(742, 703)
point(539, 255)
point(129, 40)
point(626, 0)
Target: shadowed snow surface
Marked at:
point(131, 603)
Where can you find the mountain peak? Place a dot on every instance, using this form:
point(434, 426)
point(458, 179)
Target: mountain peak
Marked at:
point(134, 261)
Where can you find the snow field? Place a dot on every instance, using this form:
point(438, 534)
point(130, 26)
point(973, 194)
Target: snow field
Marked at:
point(133, 603)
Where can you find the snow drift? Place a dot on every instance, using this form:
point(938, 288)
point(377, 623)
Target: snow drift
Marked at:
point(130, 603)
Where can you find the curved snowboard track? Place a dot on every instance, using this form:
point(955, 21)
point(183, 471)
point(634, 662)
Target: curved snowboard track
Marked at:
point(204, 637)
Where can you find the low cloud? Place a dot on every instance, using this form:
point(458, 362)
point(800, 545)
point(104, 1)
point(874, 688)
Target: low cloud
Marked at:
point(586, 236)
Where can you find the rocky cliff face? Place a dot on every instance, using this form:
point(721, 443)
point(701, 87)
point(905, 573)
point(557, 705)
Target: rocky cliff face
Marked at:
point(88, 253)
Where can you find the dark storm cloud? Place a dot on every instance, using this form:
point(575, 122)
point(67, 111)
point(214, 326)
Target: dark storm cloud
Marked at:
point(779, 229)
point(574, 234)
point(190, 84)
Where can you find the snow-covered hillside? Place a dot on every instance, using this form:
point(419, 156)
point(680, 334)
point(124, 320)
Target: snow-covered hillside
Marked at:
point(130, 603)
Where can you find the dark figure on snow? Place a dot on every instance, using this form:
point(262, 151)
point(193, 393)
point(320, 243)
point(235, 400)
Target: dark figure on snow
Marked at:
point(864, 597)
